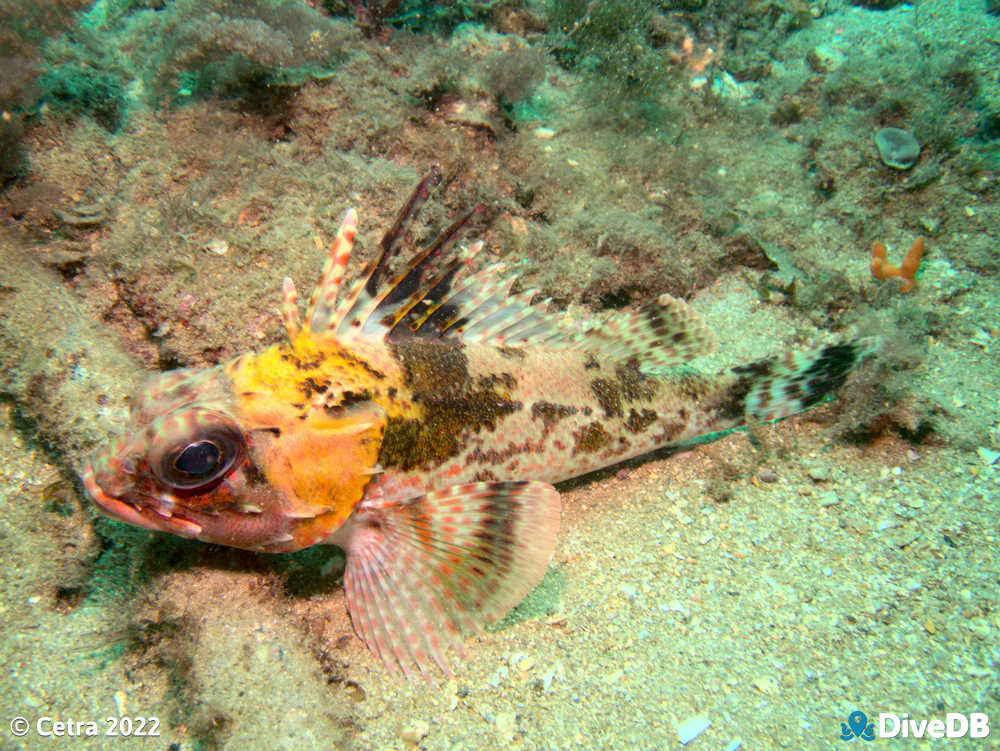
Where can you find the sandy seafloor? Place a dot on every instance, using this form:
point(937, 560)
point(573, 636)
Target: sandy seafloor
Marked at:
point(772, 586)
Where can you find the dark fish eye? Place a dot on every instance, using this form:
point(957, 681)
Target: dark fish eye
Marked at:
point(199, 461)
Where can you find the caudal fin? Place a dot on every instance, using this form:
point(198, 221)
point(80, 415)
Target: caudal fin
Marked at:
point(781, 386)
point(424, 570)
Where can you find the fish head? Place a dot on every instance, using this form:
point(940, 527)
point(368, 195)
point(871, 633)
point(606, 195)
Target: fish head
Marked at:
point(201, 458)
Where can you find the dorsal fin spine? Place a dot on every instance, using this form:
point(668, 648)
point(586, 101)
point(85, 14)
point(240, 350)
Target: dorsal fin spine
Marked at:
point(412, 284)
point(463, 301)
point(321, 302)
point(427, 295)
point(290, 309)
point(438, 293)
point(394, 235)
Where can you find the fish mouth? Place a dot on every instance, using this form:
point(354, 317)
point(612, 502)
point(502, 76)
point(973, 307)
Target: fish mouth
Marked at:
point(139, 517)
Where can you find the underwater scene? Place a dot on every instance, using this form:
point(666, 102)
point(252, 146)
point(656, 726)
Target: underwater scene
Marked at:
point(521, 374)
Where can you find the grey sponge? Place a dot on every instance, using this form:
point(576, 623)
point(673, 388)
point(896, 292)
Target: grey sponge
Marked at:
point(897, 147)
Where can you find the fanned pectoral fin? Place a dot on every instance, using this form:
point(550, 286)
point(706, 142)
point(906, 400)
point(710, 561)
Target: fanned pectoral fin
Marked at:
point(423, 571)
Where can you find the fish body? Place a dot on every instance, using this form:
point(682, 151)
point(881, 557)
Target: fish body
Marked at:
point(419, 422)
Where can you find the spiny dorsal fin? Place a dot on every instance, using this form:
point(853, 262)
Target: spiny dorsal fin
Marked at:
point(429, 268)
point(353, 311)
point(429, 301)
point(319, 314)
point(448, 310)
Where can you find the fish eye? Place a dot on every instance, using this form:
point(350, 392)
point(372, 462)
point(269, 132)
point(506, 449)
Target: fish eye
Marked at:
point(197, 462)
point(198, 459)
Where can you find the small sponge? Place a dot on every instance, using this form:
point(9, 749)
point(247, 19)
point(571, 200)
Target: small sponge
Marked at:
point(906, 271)
point(897, 147)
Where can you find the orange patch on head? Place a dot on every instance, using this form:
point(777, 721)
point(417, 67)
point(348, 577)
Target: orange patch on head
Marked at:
point(325, 462)
point(318, 461)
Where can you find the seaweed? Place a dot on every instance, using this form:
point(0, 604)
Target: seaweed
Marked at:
point(612, 44)
point(84, 90)
point(443, 17)
point(126, 53)
point(370, 14)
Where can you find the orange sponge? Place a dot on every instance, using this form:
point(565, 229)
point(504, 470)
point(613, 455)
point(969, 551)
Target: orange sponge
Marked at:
point(906, 271)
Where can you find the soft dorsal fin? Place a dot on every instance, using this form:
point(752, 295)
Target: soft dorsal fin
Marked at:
point(430, 300)
point(660, 334)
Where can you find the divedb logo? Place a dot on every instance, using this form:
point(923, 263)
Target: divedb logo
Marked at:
point(890, 725)
point(954, 725)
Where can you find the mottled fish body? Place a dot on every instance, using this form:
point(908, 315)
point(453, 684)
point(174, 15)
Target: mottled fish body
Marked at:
point(419, 421)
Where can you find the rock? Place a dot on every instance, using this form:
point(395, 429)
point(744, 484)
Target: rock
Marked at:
point(828, 57)
point(897, 147)
point(828, 499)
point(506, 723)
point(903, 538)
point(987, 455)
point(415, 732)
point(765, 684)
point(819, 473)
point(691, 728)
point(628, 590)
point(767, 475)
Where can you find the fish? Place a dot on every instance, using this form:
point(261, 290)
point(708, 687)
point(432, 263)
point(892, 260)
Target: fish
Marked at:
point(419, 419)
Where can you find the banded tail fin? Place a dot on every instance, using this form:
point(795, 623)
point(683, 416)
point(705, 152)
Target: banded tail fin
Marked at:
point(422, 571)
point(781, 386)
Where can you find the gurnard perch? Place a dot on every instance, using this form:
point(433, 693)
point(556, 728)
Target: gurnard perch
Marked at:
point(418, 421)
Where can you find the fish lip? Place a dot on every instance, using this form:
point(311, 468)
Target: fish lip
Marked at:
point(124, 512)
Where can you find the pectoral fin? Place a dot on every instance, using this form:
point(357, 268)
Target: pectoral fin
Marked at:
point(424, 570)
